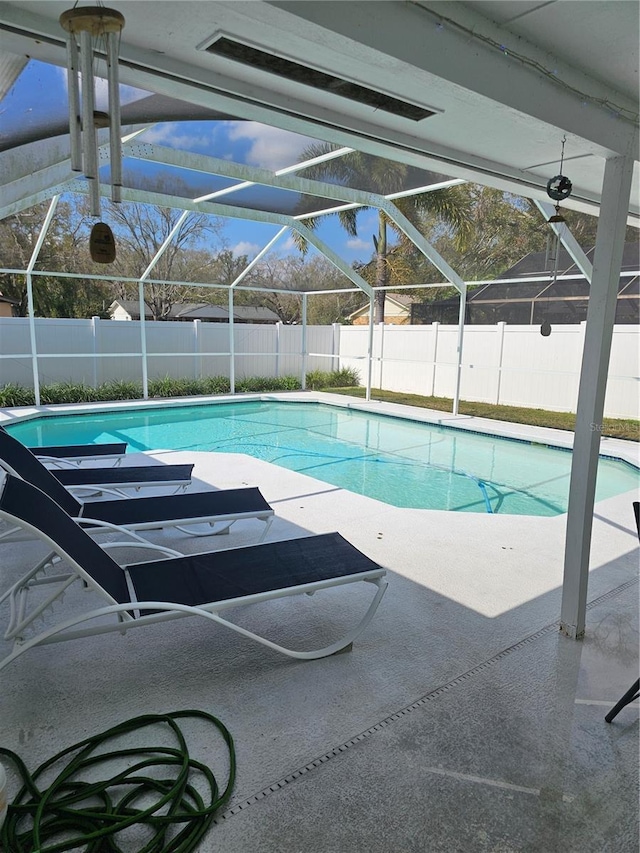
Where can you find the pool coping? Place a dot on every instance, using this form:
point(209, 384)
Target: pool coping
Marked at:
point(612, 448)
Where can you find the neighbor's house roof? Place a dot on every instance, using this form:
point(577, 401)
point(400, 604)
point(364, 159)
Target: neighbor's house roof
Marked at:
point(200, 311)
point(402, 302)
point(9, 299)
point(525, 302)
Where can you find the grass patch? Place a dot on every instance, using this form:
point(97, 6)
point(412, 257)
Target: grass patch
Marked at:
point(626, 428)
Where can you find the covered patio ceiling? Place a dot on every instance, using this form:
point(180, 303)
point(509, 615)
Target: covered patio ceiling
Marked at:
point(478, 91)
point(481, 91)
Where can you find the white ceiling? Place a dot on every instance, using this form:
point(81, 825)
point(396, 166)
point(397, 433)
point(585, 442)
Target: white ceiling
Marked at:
point(508, 80)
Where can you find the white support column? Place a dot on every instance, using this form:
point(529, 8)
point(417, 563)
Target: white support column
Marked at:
point(436, 327)
point(278, 343)
point(381, 355)
point(593, 382)
point(32, 336)
point(94, 350)
point(461, 316)
point(370, 347)
point(30, 303)
point(197, 358)
point(501, 326)
point(143, 342)
point(232, 346)
point(304, 342)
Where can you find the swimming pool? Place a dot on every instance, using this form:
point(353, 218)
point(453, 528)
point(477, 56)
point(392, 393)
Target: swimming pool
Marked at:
point(401, 462)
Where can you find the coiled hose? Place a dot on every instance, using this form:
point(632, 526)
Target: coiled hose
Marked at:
point(73, 814)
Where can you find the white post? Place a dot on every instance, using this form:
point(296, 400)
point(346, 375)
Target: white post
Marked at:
point(197, 361)
point(30, 303)
point(500, 330)
point(335, 346)
point(614, 205)
point(304, 342)
point(94, 344)
point(232, 346)
point(32, 336)
point(143, 342)
point(436, 326)
point(381, 356)
point(369, 348)
point(463, 307)
point(278, 327)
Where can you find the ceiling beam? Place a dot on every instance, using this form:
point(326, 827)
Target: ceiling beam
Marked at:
point(374, 135)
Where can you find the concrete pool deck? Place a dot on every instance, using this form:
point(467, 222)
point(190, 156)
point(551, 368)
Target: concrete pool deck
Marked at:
point(461, 720)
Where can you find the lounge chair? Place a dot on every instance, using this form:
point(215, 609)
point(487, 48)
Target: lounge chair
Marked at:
point(217, 507)
point(145, 593)
point(119, 479)
point(116, 480)
point(78, 453)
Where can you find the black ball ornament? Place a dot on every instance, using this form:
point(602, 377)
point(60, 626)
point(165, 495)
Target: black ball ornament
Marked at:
point(559, 187)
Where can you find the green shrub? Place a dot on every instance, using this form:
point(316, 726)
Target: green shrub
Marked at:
point(12, 395)
point(268, 383)
point(169, 387)
point(119, 389)
point(345, 378)
point(69, 392)
point(216, 385)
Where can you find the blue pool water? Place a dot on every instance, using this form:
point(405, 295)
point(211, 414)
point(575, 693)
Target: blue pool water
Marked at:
point(398, 461)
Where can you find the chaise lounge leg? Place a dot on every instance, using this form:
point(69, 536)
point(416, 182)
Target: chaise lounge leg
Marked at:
point(629, 696)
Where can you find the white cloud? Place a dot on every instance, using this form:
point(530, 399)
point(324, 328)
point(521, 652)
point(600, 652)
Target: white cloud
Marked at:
point(358, 243)
point(245, 248)
point(271, 147)
point(173, 134)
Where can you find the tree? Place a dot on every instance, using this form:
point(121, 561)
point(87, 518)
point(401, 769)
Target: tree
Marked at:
point(53, 296)
point(140, 230)
point(384, 177)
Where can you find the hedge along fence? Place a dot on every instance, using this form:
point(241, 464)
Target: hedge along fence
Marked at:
point(12, 395)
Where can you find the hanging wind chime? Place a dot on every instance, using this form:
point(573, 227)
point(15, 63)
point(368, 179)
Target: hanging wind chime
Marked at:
point(558, 188)
point(94, 30)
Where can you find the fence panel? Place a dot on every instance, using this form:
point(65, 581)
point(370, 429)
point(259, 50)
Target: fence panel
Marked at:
point(15, 352)
point(213, 338)
point(512, 365)
point(623, 385)
point(541, 372)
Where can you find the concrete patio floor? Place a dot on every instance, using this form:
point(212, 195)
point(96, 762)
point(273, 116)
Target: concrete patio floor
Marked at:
point(461, 720)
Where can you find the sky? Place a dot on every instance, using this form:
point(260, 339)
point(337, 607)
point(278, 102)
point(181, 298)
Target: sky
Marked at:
point(40, 93)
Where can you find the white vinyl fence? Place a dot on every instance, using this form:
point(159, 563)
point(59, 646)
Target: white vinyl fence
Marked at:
point(511, 365)
point(96, 351)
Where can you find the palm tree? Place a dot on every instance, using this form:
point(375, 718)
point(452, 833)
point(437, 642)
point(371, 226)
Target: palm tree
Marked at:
point(375, 174)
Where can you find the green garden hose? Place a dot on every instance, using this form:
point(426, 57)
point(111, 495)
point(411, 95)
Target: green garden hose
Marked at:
point(76, 814)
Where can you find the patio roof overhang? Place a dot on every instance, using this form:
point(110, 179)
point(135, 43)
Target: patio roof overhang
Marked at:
point(502, 82)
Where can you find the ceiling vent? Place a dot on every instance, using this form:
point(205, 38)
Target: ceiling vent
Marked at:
point(260, 59)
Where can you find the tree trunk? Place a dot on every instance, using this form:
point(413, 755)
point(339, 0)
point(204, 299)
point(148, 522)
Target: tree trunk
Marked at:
point(382, 270)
